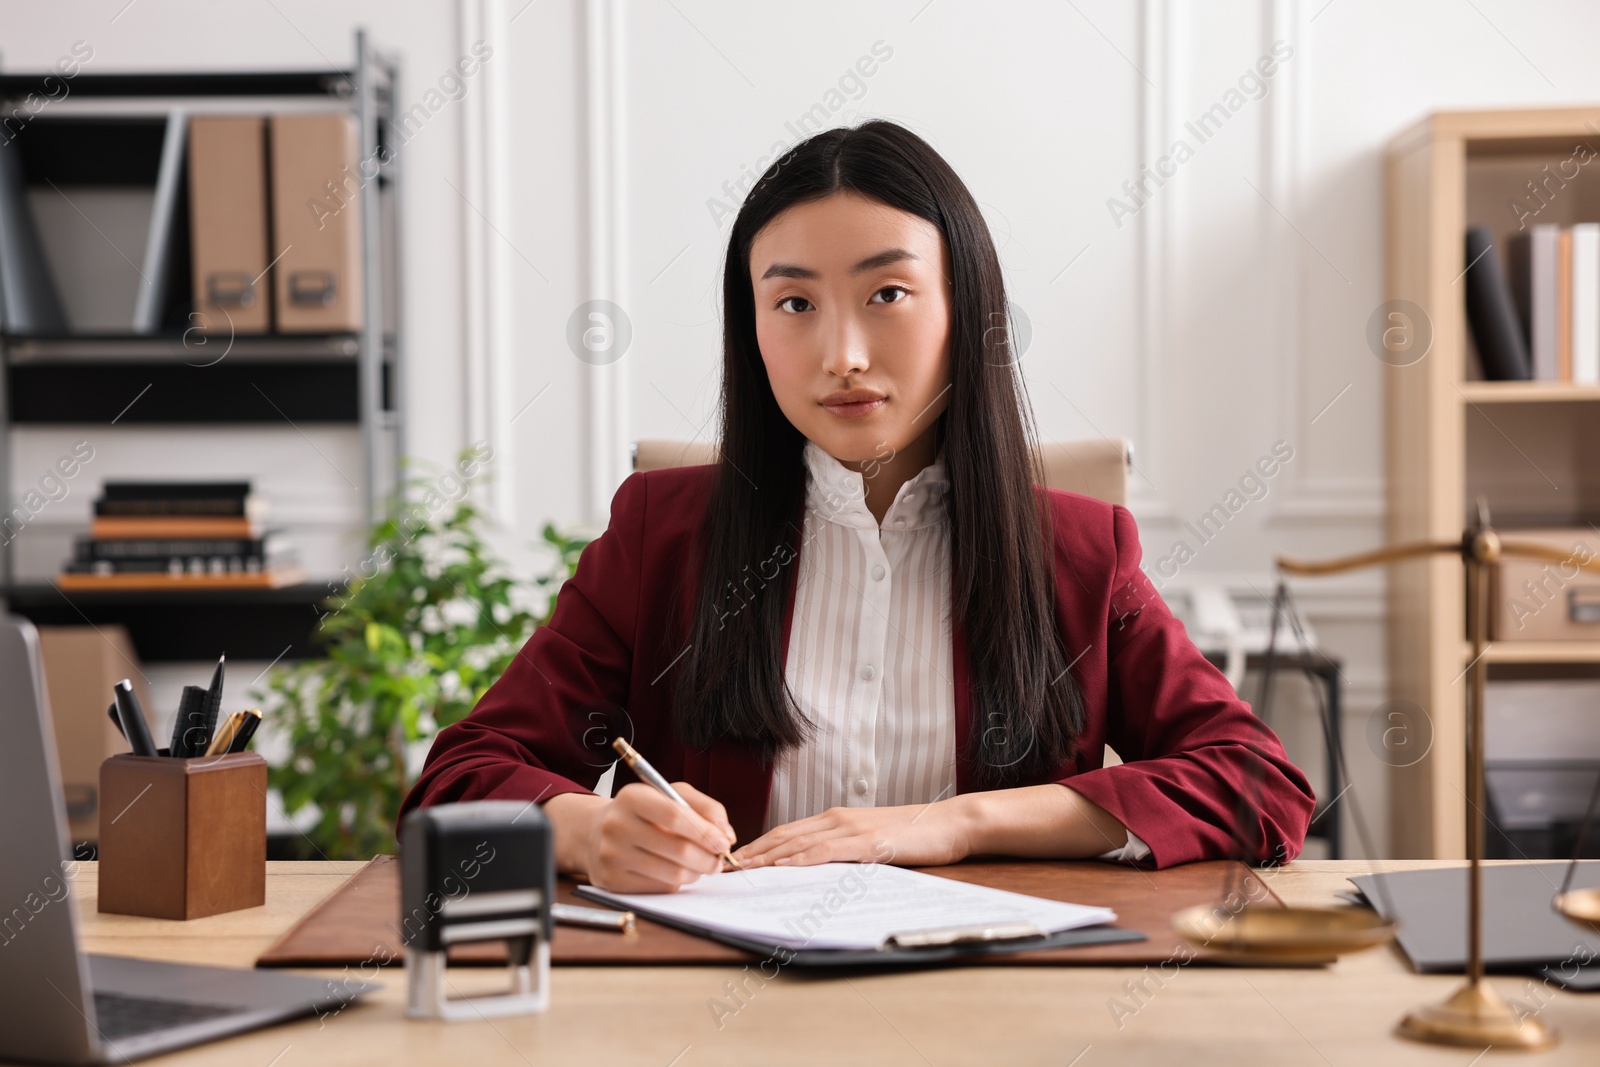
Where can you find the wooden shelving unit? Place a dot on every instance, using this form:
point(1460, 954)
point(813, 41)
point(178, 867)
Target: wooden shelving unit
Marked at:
point(1541, 652)
point(1529, 448)
point(1528, 393)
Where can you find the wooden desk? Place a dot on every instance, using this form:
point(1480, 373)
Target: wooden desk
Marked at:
point(662, 1016)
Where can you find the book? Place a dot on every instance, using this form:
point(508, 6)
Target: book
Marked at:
point(274, 579)
point(180, 557)
point(174, 565)
point(181, 498)
point(158, 254)
point(317, 277)
point(1564, 306)
point(253, 507)
point(174, 490)
point(1491, 311)
point(1533, 264)
point(149, 535)
point(229, 256)
point(267, 546)
point(1586, 303)
point(172, 527)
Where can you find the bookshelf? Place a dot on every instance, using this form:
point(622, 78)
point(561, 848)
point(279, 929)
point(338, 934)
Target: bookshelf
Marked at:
point(1531, 449)
point(107, 138)
point(1554, 652)
point(1528, 393)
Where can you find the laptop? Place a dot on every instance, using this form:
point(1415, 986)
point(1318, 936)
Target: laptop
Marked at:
point(59, 1004)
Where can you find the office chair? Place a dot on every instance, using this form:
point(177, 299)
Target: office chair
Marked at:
point(1094, 466)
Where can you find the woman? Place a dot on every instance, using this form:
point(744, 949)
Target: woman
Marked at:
point(866, 634)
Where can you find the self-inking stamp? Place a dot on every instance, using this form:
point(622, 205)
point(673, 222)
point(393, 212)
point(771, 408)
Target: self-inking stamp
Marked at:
point(477, 871)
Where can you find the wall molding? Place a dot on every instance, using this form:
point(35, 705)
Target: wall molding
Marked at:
point(1354, 502)
point(1285, 132)
point(1279, 179)
point(1157, 104)
point(607, 388)
point(489, 339)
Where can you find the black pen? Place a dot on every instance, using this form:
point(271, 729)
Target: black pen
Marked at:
point(189, 727)
point(247, 729)
point(213, 707)
point(133, 724)
point(111, 713)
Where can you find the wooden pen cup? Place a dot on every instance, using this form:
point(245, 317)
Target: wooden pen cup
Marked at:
point(183, 838)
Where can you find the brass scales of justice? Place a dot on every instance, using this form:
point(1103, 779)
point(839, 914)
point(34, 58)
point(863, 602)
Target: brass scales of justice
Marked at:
point(1475, 1015)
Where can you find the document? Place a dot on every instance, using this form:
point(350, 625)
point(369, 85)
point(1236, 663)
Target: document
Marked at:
point(845, 905)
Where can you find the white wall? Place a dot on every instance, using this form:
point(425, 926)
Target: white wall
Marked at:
point(1225, 315)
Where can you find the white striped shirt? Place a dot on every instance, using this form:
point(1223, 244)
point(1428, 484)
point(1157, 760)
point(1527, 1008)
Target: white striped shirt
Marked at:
point(870, 650)
point(869, 658)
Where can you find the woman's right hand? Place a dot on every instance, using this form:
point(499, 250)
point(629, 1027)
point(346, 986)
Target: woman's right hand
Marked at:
point(639, 841)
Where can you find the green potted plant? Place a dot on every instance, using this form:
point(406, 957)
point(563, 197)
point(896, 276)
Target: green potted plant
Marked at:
point(426, 623)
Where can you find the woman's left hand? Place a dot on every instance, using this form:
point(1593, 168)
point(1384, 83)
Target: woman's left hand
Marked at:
point(910, 835)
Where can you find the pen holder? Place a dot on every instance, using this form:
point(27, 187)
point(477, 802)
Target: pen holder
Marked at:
point(183, 838)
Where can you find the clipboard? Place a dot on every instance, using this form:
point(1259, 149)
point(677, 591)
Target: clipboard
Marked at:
point(1522, 933)
point(912, 947)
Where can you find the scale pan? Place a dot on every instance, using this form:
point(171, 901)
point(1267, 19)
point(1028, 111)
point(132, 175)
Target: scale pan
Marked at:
point(1581, 906)
point(1283, 935)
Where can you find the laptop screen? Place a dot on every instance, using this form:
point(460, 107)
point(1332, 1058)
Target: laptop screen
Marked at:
point(44, 1012)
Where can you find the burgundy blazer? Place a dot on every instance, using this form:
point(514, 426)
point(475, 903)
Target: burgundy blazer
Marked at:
point(1203, 778)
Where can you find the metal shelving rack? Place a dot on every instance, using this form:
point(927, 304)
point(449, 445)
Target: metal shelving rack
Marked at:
point(370, 89)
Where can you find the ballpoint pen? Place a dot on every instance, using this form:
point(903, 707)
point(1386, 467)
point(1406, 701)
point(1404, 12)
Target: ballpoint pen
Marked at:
point(642, 768)
point(213, 706)
point(131, 718)
point(247, 729)
point(223, 738)
point(603, 918)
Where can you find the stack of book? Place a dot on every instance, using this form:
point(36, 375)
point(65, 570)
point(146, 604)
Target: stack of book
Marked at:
point(1538, 318)
point(163, 535)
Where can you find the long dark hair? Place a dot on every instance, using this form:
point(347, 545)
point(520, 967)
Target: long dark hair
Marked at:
point(1026, 709)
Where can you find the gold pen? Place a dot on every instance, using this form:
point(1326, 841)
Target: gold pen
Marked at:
point(642, 768)
point(224, 738)
point(603, 918)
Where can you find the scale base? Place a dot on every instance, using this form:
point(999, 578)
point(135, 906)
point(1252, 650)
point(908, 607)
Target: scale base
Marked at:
point(1475, 1016)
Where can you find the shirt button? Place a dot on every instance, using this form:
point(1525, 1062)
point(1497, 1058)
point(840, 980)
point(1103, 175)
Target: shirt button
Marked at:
point(867, 673)
point(900, 522)
point(861, 787)
point(878, 572)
